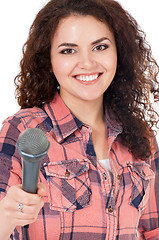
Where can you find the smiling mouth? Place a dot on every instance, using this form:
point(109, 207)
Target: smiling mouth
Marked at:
point(88, 78)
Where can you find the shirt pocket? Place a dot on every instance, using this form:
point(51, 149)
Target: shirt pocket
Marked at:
point(68, 184)
point(141, 176)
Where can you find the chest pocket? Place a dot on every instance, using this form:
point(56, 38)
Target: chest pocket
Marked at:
point(68, 184)
point(141, 176)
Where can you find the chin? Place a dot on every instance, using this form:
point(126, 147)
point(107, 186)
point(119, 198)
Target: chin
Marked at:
point(91, 97)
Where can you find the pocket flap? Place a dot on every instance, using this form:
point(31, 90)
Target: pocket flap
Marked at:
point(141, 175)
point(142, 169)
point(67, 169)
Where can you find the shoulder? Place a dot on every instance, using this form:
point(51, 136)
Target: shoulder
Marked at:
point(25, 118)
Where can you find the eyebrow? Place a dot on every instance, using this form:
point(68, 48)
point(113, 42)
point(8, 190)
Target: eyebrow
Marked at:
point(68, 45)
point(75, 45)
point(100, 40)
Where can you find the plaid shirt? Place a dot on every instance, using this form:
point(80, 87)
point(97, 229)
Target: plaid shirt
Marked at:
point(81, 202)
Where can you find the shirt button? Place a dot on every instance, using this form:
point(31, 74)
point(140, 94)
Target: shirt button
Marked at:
point(67, 173)
point(110, 209)
point(118, 177)
point(104, 175)
point(143, 173)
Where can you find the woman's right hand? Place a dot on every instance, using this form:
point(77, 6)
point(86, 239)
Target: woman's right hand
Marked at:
point(11, 216)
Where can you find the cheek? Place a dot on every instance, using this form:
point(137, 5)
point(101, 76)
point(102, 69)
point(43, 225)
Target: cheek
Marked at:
point(112, 62)
point(60, 66)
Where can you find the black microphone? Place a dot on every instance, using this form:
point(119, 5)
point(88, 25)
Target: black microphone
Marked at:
point(32, 146)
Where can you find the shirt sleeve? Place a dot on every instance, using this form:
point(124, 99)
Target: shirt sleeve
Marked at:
point(10, 161)
point(149, 221)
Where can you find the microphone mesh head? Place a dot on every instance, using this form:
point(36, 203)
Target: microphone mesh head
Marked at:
point(33, 141)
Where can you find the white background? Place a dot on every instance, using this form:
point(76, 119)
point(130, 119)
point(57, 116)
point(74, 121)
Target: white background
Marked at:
point(16, 17)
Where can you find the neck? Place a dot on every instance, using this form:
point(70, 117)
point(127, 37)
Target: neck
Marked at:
point(89, 112)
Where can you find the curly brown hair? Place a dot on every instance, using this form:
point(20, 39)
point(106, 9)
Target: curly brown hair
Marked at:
point(130, 93)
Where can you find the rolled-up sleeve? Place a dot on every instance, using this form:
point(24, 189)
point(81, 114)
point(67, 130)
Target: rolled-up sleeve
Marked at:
point(149, 221)
point(10, 161)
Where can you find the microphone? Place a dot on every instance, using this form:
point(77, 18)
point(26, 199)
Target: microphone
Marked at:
point(32, 145)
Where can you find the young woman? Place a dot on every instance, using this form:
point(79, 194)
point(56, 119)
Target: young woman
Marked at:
point(87, 80)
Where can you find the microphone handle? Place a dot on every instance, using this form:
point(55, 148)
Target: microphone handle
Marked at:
point(30, 174)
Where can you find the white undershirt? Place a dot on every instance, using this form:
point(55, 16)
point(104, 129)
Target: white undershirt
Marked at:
point(106, 164)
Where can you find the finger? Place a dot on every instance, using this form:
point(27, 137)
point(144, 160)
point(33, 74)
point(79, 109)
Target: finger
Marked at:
point(16, 193)
point(29, 216)
point(21, 218)
point(41, 190)
point(14, 209)
point(31, 209)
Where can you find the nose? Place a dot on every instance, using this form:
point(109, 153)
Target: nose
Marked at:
point(86, 60)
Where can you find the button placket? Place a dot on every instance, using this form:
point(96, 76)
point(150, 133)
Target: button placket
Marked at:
point(110, 210)
point(111, 219)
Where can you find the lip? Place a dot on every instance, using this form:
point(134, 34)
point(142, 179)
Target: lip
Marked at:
point(88, 82)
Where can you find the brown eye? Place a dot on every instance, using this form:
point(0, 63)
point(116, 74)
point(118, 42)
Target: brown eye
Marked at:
point(68, 51)
point(101, 47)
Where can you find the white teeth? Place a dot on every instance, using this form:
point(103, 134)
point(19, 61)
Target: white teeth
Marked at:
point(87, 78)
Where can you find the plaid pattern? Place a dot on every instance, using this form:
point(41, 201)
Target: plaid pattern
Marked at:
point(81, 202)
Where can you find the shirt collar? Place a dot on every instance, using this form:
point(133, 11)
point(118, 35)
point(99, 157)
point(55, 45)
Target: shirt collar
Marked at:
point(64, 123)
point(113, 127)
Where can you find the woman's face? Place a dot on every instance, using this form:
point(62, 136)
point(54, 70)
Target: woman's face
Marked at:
point(83, 57)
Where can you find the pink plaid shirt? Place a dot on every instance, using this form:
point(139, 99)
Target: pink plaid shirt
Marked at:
point(81, 202)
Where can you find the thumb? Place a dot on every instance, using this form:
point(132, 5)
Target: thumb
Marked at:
point(41, 189)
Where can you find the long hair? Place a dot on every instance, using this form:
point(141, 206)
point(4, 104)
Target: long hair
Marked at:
point(134, 85)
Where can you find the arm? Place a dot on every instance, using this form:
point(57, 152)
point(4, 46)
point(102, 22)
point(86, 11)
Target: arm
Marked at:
point(149, 223)
point(11, 193)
